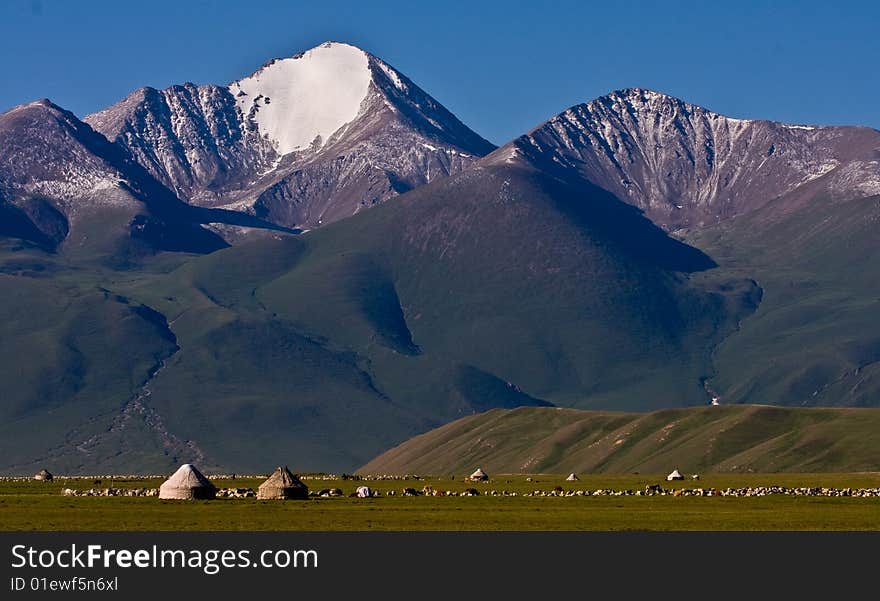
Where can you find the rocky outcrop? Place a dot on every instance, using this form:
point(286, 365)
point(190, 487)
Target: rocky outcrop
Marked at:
point(188, 137)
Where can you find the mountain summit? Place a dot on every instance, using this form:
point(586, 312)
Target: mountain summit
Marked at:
point(301, 102)
point(301, 142)
point(687, 166)
point(307, 101)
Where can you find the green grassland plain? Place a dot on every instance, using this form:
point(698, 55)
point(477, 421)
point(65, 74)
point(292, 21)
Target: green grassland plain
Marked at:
point(31, 505)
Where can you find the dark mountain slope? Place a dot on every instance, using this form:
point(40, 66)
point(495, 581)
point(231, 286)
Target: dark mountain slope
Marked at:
point(71, 360)
point(499, 286)
point(555, 287)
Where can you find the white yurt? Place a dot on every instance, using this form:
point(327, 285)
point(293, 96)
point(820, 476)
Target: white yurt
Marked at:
point(43, 475)
point(282, 484)
point(675, 475)
point(572, 477)
point(478, 476)
point(187, 483)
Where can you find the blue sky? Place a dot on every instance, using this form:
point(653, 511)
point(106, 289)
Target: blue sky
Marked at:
point(502, 67)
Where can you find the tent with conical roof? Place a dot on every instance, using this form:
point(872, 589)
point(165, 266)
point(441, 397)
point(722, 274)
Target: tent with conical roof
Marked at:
point(478, 475)
point(43, 475)
point(187, 483)
point(282, 484)
point(675, 475)
point(572, 477)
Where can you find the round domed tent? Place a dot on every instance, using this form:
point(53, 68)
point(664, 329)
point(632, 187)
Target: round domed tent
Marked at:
point(43, 475)
point(187, 483)
point(282, 484)
point(572, 477)
point(478, 476)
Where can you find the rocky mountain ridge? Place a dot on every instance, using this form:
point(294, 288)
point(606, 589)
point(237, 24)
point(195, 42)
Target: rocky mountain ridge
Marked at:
point(689, 167)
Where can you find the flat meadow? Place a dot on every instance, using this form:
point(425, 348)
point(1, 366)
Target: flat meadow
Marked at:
point(33, 505)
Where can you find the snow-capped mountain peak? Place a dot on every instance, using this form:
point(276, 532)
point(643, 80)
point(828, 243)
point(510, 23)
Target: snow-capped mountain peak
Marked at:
point(302, 101)
point(302, 141)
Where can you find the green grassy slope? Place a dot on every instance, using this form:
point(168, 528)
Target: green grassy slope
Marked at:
point(71, 358)
point(733, 438)
point(814, 339)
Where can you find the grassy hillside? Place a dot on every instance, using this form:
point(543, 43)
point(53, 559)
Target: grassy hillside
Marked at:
point(73, 355)
point(814, 339)
point(740, 438)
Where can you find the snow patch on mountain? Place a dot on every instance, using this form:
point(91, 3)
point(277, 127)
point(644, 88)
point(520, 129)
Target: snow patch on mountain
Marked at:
point(859, 177)
point(392, 75)
point(300, 101)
